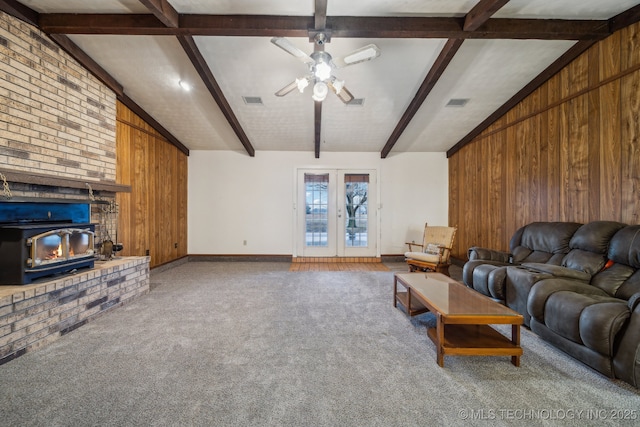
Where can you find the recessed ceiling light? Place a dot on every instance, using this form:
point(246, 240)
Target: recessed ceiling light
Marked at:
point(184, 85)
point(457, 102)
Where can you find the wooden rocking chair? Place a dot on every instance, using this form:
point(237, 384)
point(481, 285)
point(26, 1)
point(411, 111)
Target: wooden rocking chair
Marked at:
point(434, 252)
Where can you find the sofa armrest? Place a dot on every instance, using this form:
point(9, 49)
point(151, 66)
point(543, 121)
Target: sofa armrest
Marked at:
point(626, 361)
point(543, 289)
point(558, 271)
point(478, 253)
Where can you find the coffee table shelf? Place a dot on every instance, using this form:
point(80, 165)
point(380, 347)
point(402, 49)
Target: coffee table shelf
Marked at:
point(414, 307)
point(475, 340)
point(463, 316)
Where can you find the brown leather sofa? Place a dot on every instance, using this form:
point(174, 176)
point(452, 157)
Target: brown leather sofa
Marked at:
point(588, 304)
point(539, 242)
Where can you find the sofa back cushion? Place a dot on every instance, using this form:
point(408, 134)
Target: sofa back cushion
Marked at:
point(625, 246)
point(545, 242)
point(589, 246)
point(622, 278)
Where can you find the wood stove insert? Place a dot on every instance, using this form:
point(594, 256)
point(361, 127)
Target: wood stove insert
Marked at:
point(44, 238)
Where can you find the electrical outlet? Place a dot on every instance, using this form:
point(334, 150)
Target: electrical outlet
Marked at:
point(147, 252)
point(175, 245)
point(244, 243)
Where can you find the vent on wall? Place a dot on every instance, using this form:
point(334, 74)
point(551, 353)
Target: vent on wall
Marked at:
point(457, 102)
point(252, 100)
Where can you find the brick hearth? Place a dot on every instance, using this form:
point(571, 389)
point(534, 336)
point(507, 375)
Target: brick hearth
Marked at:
point(35, 315)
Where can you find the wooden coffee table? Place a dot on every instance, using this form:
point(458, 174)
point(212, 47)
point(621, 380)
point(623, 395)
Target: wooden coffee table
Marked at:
point(462, 315)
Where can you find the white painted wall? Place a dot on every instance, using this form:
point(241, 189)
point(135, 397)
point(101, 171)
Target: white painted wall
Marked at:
point(234, 197)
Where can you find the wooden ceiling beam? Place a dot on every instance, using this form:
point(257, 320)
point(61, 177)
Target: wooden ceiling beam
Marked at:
point(87, 62)
point(317, 110)
point(320, 16)
point(131, 104)
point(32, 17)
point(624, 19)
point(340, 26)
point(320, 23)
point(481, 13)
point(166, 14)
point(200, 64)
point(162, 10)
point(478, 16)
point(441, 63)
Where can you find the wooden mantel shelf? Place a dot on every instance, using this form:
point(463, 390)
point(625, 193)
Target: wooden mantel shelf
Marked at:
point(56, 181)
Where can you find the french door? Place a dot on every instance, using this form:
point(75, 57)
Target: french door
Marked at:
point(337, 213)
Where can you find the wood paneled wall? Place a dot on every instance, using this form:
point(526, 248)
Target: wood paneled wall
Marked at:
point(568, 152)
point(153, 217)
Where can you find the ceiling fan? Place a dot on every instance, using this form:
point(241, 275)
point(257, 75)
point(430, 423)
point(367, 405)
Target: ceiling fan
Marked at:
point(321, 66)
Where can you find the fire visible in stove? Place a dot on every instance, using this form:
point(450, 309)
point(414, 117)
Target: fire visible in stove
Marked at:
point(59, 245)
point(50, 248)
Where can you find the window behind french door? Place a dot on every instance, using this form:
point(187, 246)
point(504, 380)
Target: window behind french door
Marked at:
point(337, 213)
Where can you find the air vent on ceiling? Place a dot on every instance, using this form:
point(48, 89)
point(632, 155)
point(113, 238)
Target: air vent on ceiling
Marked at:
point(252, 100)
point(457, 102)
point(356, 102)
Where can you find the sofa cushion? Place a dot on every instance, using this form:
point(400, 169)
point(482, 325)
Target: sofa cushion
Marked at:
point(525, 254)
point(587, 262)
point(619, 280)
point(601, 322)
point(423, 256)
point(558, 271)
point(624, 247)
point(489, 280)
point(542, 290)
point(562, 314)
point(589, 246)
point(595, 236)
point(590, 320)
point(540, 241)
point(630, 287)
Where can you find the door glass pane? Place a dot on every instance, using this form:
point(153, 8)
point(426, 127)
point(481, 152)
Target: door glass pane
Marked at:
point(356, 187)
point(316, 216)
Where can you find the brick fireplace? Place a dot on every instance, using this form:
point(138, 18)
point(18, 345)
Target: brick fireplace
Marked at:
point(58, 143)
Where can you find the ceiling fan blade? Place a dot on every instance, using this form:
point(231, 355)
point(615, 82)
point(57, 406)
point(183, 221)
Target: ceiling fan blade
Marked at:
point(288, 88)
point(290, 48)
point(365, 53)
point(344, 94)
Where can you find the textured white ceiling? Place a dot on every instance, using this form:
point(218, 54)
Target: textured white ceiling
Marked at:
point(564, 9)
point(488, 72)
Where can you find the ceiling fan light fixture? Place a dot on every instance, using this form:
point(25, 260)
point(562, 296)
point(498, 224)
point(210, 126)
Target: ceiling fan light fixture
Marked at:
point(320, 91)
point(322, 71)
point(302, 84)
point(337, 85)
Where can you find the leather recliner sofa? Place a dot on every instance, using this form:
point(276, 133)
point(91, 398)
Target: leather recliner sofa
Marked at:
point(539, 242)
point(587, 304)
point(597, 322)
